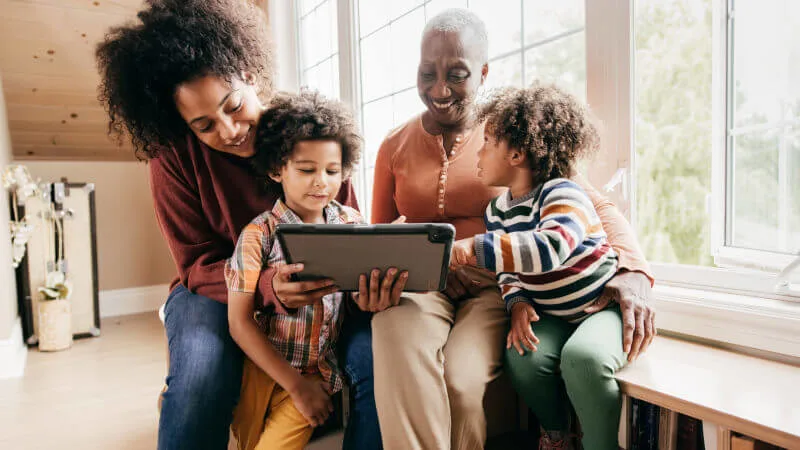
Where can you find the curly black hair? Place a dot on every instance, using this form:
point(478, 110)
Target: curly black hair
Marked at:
point(307, 116)
point(552, 127)
point(175, 41)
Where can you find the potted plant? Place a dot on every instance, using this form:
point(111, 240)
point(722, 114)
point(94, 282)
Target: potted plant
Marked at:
point(55, 313)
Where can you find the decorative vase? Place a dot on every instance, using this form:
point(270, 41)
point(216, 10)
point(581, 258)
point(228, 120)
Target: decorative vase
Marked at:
point(55, 325)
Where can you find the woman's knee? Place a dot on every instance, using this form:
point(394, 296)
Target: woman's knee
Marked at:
point(397, 329)
point(204, 366)
point(204, 359)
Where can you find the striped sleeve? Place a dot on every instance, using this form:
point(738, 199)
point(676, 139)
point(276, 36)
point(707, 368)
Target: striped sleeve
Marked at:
point(566, 217)
point(244, 267)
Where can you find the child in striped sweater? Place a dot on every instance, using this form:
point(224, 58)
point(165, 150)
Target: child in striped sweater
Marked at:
point(544, 239)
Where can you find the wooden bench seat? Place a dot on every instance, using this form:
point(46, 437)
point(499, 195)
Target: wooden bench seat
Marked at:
point(731, 391)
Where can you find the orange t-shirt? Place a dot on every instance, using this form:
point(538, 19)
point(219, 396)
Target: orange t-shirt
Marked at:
point(415, 177)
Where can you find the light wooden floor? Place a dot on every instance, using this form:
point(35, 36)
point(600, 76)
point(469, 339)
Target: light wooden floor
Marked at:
point(100, 394)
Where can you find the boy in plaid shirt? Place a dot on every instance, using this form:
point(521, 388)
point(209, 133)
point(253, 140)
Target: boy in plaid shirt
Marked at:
point(306, 145)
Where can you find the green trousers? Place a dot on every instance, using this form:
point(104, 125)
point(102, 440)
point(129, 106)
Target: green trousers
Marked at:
point(574, 364)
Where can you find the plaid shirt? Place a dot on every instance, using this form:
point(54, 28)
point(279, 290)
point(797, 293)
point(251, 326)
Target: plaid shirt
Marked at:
point(307, 336)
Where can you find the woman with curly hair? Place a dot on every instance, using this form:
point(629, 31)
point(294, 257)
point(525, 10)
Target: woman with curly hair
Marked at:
point(435, 353)
point(547, 246)
point(187, 83)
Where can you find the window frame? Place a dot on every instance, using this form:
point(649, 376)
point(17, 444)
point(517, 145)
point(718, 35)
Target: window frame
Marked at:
point(735, 306)
point(725, 255)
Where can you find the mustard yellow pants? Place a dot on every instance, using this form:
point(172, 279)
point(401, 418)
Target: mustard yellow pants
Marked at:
point(266, 417)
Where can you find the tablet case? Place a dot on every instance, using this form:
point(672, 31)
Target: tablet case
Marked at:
point(343, 252)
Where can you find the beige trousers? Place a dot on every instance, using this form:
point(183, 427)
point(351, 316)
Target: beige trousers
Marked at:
point(433, 360)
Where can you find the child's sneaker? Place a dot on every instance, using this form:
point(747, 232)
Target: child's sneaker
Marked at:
point(559, 440)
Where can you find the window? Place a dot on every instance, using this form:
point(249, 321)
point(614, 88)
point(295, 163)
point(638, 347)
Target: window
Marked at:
point(716, 134)
point(762, 157)
point(318, 38)
point(715, 119)
point(528, 41)
point(700, 129)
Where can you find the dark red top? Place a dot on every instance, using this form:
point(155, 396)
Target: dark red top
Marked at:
point(203, 198)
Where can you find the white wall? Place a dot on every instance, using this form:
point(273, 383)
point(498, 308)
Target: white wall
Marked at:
point(130, 250)
point(8, 297)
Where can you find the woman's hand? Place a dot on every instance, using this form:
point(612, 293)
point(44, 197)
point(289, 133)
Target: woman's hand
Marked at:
point(633, 292)
point(375, 295)
point(312, 400)
point(521, 333)
point(296, 294)
point(463, 253)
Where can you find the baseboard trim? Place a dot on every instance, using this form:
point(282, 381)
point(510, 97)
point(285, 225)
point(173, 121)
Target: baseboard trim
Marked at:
point(13, 353)
point(122, 302)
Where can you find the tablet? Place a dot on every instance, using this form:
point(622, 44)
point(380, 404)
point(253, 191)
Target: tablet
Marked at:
point(343, 252)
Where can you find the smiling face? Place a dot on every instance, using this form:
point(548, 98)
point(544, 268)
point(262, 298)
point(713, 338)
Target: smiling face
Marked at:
point(449, 75)
point(311, 178)
point(222, 114)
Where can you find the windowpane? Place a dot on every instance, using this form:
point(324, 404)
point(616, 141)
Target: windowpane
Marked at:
point(755, 196)
point(318, 47)
point(562, 62)
point(672, 129)
point(308, 36)
point(400, 7)
point(378, 120)
point(311, 77)
point(371, 16)
point(407, 104)
point(503, 24)
point(766, 210)
point(406, 35)
point(376, 65)
point(434, 7)
point(546, 19)
point(766, 61)
point(304, 6)
point(324, 37)
point(505, 72)
point(327, 78)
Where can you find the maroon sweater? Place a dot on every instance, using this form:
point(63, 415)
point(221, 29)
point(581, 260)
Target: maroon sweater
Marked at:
point(203, 198)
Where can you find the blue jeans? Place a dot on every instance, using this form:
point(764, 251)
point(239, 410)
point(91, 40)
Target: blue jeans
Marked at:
point(362, 432)
point(205, 377)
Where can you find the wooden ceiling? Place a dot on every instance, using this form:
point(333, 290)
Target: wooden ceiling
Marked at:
point(50, 79)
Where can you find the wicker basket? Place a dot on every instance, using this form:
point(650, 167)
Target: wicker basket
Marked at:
point(55, 325)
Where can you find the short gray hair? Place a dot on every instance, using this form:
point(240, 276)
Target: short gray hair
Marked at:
point(458, 20)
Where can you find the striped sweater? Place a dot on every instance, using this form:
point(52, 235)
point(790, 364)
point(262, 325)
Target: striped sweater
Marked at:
point(548, 249)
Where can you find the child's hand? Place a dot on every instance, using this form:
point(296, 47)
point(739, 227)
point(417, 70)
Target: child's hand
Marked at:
point(463, 253)
point(521, 334)
point(313, 401)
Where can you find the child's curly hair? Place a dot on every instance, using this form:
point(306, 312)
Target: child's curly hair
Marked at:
point(551, 126)
point(307, 116)
point(175, 41)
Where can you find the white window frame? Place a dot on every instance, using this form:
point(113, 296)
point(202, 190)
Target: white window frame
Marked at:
point(738, 307)
point(735, 306)
point(722, 154)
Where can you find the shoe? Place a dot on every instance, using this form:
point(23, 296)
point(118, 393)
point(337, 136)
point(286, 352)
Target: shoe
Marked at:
point(559, 440)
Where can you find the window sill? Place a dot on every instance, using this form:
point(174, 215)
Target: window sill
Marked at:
point(763, 324)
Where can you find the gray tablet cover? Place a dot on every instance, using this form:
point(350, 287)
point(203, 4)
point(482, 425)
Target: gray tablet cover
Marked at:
point(343, 252)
